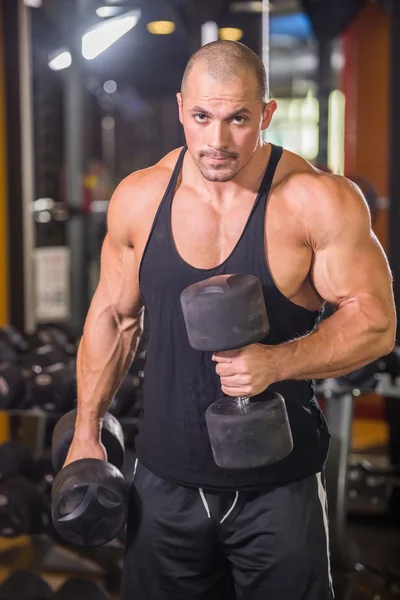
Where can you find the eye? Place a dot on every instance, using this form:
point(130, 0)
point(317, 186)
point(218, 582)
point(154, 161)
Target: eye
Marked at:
point(239, 120)
point(200, 118)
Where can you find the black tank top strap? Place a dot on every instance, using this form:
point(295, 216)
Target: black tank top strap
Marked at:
point(255, 226)
point(164, 207)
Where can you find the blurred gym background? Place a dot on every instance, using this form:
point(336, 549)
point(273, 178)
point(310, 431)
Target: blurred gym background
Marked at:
point(87, 96)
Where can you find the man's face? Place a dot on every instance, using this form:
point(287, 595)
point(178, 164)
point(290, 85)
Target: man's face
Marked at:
point(222, 121)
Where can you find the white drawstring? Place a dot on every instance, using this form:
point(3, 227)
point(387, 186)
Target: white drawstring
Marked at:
point(204, 499)
point(231, 508)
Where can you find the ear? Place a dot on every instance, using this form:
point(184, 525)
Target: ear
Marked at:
point(180, 106)
point(269, 110)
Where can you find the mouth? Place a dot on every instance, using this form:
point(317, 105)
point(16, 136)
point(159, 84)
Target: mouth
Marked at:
point(219, 159)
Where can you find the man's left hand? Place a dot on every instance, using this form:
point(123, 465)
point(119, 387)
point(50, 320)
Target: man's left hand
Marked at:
point(245, 372)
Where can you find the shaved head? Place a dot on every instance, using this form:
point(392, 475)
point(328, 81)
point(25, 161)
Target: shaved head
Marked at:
point(224, 60)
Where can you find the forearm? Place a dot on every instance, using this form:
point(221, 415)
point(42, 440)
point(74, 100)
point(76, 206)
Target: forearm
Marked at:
point(346, 341)
point(106, 350)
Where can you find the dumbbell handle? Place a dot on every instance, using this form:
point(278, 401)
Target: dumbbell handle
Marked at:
point(242, 400)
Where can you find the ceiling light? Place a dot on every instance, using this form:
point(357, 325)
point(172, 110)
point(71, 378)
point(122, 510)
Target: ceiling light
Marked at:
point(105, 12)
point(161, 27)
point(102, 36)
point(230, 33)
point(61, 61)
point(33, 3)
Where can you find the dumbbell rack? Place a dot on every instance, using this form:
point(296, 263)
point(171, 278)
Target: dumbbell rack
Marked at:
point(339, 412)
point(43, 552)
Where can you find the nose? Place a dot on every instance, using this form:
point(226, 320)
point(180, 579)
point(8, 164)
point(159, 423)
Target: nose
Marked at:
point(219, 139)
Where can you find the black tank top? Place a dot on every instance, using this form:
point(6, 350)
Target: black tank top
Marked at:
point(180, 383)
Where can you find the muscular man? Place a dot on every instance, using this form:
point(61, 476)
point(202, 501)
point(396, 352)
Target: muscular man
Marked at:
point(228, 203)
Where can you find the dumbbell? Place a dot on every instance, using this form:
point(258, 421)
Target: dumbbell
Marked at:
point(15, 459)
point(228, 312)
point(13, 338)
point(89, 496)
point(78, 587)
point(7, 353)
point(54, 389)
point(44, 356)
point(13, 387)
point(23, 585)
point(49, 335)
point(22, 508)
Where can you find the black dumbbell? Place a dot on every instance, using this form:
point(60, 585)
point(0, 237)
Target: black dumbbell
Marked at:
point(54, 336)
point(54, 389)
point(15, 459)
point(44, 356)
point(7, 353)
point(89, 496)
point(22, 508)
point(13, 387)
point(13, 338)
point(228, 312)
point(23, 585)
point(78, 587)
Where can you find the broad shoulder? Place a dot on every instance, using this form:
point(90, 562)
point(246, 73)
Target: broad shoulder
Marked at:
point(137, 197)
point(326, 205)
point(144, 185)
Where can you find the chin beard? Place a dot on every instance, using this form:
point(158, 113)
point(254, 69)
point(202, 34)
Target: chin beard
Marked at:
point(221, 175)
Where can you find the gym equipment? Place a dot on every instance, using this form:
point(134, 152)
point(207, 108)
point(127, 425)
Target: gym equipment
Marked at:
point(78, 587)
point(54, 389)
point(13, 388)
point(23, 585)
point(22, 511)
point(351, 578)
point(13, 338)
point(44, 356)
point(7, 353)
point(111, 436)
point(49, 335)
point(227, 312)
point(15, 459)
point(89, 496)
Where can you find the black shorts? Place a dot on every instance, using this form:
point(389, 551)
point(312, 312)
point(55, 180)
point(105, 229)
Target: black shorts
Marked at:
point(188, 544)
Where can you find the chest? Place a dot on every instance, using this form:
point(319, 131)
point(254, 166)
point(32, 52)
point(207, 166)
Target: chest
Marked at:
point(205, 236)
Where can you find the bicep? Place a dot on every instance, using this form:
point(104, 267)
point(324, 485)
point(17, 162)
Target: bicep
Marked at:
point(352, 267)
point(349, 262)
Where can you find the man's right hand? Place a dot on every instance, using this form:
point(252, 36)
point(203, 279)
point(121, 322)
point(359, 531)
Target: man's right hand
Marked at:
point(80, 449)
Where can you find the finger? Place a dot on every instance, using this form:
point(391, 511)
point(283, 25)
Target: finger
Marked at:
point(235, 391)
point(234, 381)
point(226, 369)
point(225, 356)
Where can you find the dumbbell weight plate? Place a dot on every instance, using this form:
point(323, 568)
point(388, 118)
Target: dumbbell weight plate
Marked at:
point(13, 338)
point(21, 508)
point(23, 585)
point(54, 390)
point(15, 459)
point(249, 433)
point(12, 387)
point(111, 437)
point(7, 353)
point(89, 502)
point(42, 357)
